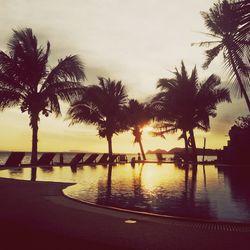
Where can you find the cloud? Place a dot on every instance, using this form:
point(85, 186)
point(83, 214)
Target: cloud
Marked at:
point(135, 41)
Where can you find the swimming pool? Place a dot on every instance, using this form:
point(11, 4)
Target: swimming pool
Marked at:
point(205, 192)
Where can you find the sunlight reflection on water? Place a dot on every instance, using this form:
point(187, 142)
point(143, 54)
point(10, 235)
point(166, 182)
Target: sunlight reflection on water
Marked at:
point(209, 192)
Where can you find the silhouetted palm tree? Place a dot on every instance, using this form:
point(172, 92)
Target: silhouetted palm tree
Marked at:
point(102, 105)
point(228, 24)
point(185, 104)
point(138, 115)
point(28, 82)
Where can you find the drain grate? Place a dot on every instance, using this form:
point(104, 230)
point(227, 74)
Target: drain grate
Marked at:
point(213, 226)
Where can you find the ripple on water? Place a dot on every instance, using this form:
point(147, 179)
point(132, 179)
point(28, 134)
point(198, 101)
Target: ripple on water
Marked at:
point(209, 192)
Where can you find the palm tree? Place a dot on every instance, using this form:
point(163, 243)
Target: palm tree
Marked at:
point(185, 104)
point(102, 105)
point(228, 23)
point(28, 82)
point(138, 115)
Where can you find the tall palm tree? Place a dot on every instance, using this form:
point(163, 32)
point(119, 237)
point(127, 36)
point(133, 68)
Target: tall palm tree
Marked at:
point(185, 104)
point(138, 115)
point(228, 24)
point(28, 82)
point(102, 105)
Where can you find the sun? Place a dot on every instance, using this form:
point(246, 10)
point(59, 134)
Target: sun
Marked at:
point(148, 129)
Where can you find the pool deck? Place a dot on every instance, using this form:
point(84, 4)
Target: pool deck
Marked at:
point(36, 215)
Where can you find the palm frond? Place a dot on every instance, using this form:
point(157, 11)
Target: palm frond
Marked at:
point(211, 54)
point(211, 82)
point(166, 84)
point(194, 77)
point(69, 69)
point(31, 59)
point(206, 43)
point(65, 91)
point(222, 95)
point(210, 23)
point(82, 112)
point(54, 104)
point(9, 98)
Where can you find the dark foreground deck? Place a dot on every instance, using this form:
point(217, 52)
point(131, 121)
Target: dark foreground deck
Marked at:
point(36, 215)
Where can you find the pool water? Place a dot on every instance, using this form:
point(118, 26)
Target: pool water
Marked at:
point(206, 192)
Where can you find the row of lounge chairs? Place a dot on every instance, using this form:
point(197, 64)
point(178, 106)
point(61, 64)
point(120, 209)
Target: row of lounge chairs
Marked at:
point(46, 159)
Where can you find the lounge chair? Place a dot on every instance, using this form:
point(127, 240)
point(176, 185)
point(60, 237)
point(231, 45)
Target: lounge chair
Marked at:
point(46, 159)
point(14, 159)
point(112, 159)
point(104, 159)
point(123, 158)
point(159, 157)
point(90, 160)
point(78, 158)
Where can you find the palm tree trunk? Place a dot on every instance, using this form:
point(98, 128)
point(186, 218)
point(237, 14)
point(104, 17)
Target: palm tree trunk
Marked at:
point(243, 90)
point(142, 150)
point(186, 146)
point(194, 151)
point(109, 138)
point(34, 125)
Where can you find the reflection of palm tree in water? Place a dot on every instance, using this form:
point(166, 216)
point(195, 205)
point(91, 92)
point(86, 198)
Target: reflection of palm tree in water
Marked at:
point(137, 182)
point(194, 178)
point(104, 188)
point(193, 183)
point(132, 201)
point(184, 166)
point(139, 200)
point(109, 183)
point(205, 177)
point(199, 204)
point(44, 169)
point(189, 190)
point(186, 179)
point(137, 197)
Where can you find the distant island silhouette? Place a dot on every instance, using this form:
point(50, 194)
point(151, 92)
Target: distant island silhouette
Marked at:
point(180, 150)
point(161, 151)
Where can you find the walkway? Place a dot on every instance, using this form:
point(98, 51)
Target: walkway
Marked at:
point(35, 215)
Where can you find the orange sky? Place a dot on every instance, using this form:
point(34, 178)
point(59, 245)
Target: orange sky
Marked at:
point(135, 41)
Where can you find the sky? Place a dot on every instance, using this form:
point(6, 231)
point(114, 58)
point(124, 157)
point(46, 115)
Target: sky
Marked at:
point(135, 41)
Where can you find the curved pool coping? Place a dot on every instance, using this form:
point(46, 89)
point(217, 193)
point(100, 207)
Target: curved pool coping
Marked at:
point(234, 226)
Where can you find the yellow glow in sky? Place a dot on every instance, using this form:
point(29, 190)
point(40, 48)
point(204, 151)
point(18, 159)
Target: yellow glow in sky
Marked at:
point(135, 41)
